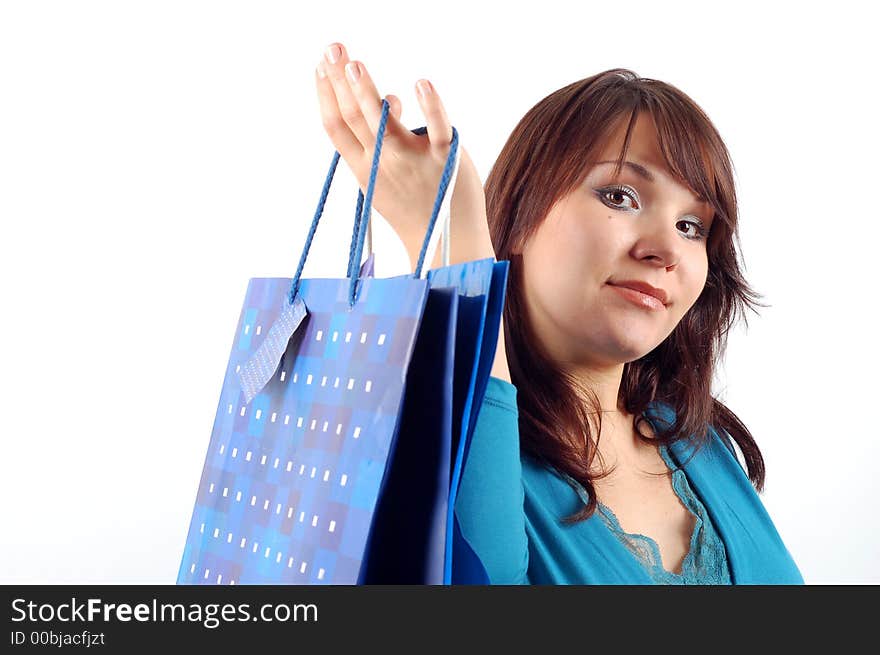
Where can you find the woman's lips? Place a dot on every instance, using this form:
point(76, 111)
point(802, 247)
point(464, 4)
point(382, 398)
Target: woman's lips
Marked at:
point(643, 300)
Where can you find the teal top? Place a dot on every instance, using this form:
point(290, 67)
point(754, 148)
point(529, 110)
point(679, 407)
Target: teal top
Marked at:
point(509, 509)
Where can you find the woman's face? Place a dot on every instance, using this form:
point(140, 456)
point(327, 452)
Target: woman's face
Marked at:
point(609, 231)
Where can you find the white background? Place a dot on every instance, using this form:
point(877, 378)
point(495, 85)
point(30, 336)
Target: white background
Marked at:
point(154, 156)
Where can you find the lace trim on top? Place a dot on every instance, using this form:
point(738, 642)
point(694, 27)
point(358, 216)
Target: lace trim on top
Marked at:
point(706, 560)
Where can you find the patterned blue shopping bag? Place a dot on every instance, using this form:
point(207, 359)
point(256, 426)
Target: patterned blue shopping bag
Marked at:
point(308, 418)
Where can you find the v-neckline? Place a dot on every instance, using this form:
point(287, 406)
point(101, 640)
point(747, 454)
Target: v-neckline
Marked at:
point(615, 525)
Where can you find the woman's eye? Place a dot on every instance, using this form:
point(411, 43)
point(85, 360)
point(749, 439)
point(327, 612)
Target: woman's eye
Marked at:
point(698, 232)
point(615, 196)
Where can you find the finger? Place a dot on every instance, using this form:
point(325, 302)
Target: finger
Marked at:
point(394, 107)
point(337, 129)
point(335, 59)
point(439, 128)
point(364, 91)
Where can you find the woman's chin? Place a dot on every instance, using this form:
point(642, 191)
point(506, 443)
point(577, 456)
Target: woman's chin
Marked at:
point(630, 349)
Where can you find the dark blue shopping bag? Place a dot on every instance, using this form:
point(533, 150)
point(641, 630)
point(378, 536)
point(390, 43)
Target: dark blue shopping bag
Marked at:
point(408, 542)
point(481, 285)
point(416, 538)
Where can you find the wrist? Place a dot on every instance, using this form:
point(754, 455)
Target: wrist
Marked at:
point(466, 246)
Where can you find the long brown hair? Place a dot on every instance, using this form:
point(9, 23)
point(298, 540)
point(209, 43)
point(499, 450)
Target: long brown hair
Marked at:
point(550, 152)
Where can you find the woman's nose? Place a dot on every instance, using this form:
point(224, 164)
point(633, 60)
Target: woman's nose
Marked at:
point(658, 242)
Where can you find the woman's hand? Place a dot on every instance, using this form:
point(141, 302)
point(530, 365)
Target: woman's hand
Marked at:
point(410, 165)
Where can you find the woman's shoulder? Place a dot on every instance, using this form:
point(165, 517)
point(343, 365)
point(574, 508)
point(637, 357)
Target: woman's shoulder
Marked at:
point(500, 392)
point(664, 414)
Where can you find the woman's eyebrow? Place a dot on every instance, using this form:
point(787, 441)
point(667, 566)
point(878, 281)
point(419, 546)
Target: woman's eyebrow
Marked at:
point(643, 172)
point(637, 168)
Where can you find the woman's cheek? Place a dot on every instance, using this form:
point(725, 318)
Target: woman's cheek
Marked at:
point(696, 280)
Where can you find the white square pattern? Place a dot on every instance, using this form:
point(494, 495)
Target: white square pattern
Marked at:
point(239, 493)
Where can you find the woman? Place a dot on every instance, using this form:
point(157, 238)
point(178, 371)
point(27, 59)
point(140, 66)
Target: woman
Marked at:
point(599, 454)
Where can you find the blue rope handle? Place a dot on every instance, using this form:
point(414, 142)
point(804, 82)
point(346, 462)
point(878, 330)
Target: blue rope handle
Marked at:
point(363, 209)
point(354, 234)
point(441, 193)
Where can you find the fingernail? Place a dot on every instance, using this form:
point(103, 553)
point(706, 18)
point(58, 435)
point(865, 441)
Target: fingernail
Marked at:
point(424, 87)
point(353, 71)
point(321, 72)
point(334, 52)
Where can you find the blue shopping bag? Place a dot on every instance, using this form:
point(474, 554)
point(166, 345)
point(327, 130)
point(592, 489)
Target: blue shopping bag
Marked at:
point(416, 538)
point(481, 285)
point(307, 421)
point(408, 542)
